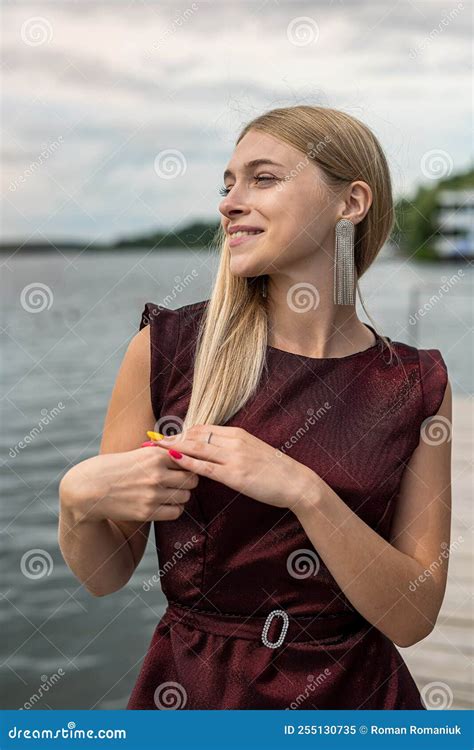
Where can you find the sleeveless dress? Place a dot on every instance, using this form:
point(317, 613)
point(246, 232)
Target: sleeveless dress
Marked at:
point(254, 618)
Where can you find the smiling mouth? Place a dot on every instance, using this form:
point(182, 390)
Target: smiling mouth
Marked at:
point(241, 233)
point(238, 237)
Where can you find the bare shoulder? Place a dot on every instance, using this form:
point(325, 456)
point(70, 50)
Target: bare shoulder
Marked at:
point(446, 407)
point(136, 360)
point(130, 414)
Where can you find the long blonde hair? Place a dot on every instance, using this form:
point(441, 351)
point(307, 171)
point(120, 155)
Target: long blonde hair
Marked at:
point(231, 344)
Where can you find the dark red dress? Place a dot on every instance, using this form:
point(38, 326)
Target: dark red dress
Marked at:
point(230, 564)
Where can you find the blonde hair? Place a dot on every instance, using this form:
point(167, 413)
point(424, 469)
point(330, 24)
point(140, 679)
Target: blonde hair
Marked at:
point(231, 343)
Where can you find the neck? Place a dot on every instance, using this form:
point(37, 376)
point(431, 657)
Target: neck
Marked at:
point(304, 319)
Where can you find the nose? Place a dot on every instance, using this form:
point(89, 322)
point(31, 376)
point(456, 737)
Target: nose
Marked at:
point(234, 204)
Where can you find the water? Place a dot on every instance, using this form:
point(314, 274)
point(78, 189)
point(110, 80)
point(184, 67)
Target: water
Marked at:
point(60, 364)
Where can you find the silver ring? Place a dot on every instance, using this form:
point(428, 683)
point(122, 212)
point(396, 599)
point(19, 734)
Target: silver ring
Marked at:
point(209, 438)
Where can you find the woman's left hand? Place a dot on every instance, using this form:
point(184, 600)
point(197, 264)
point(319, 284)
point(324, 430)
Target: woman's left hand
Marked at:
point(245, 463)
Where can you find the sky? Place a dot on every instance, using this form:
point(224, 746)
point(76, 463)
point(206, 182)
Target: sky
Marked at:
point(119, 118)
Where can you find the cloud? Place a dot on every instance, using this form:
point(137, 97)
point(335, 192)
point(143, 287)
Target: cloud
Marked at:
point(118, 82)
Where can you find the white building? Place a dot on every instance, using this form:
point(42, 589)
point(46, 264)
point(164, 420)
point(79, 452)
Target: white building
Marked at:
point(455, 221)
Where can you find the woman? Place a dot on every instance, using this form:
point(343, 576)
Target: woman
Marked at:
point(301, 476)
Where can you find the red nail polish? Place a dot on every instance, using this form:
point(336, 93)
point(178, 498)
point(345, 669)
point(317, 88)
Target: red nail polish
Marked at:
point(147, 443)
point(175, 454)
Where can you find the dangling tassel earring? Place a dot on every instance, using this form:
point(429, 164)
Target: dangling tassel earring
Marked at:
point(344, 269)
point(264, 286)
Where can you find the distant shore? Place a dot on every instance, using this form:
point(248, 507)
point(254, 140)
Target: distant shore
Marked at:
point(174, 242)
point(65, 247)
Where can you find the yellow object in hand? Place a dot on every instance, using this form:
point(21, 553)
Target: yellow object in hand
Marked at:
point(155, 435)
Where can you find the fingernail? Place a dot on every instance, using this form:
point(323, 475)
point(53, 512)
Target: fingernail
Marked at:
point(147, 443)
point(155, 435)
point(175, 454)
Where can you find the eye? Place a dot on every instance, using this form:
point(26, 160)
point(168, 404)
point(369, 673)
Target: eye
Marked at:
point(267, 178)
point(259, 178)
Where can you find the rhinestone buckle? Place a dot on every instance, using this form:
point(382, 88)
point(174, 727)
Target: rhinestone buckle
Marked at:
point(275, 613)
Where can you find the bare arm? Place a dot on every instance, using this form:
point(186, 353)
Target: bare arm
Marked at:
point(130, 487)
point(383, 580)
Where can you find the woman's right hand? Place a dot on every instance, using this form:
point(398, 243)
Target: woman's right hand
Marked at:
point(139, 485)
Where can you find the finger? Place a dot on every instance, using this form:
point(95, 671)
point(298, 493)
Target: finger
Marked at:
point(212, 434)
point(198, 466)
point(197, 449)
point(184, 480)
point(170, 464)
point(218, 430)
point(177, 497)
point(167, 513)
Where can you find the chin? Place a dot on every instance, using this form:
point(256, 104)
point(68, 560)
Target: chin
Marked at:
point(244, 271)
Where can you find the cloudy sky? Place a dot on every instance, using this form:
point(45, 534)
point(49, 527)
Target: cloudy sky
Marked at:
point(120, 117)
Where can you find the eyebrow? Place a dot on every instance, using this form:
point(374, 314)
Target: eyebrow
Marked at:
point(253, 163)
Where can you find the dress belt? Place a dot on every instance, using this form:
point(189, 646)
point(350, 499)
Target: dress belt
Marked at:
point(271, 630)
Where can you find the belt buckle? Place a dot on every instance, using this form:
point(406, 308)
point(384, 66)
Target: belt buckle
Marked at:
point(275, 613)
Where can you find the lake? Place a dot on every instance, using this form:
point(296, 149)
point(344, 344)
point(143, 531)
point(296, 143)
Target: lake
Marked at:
point(60, 364)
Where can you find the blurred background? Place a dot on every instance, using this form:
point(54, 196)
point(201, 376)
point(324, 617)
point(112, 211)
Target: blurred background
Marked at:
point(118, 120)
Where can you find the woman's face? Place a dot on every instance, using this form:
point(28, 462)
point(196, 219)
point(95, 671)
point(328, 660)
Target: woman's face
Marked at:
point(286, 199)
